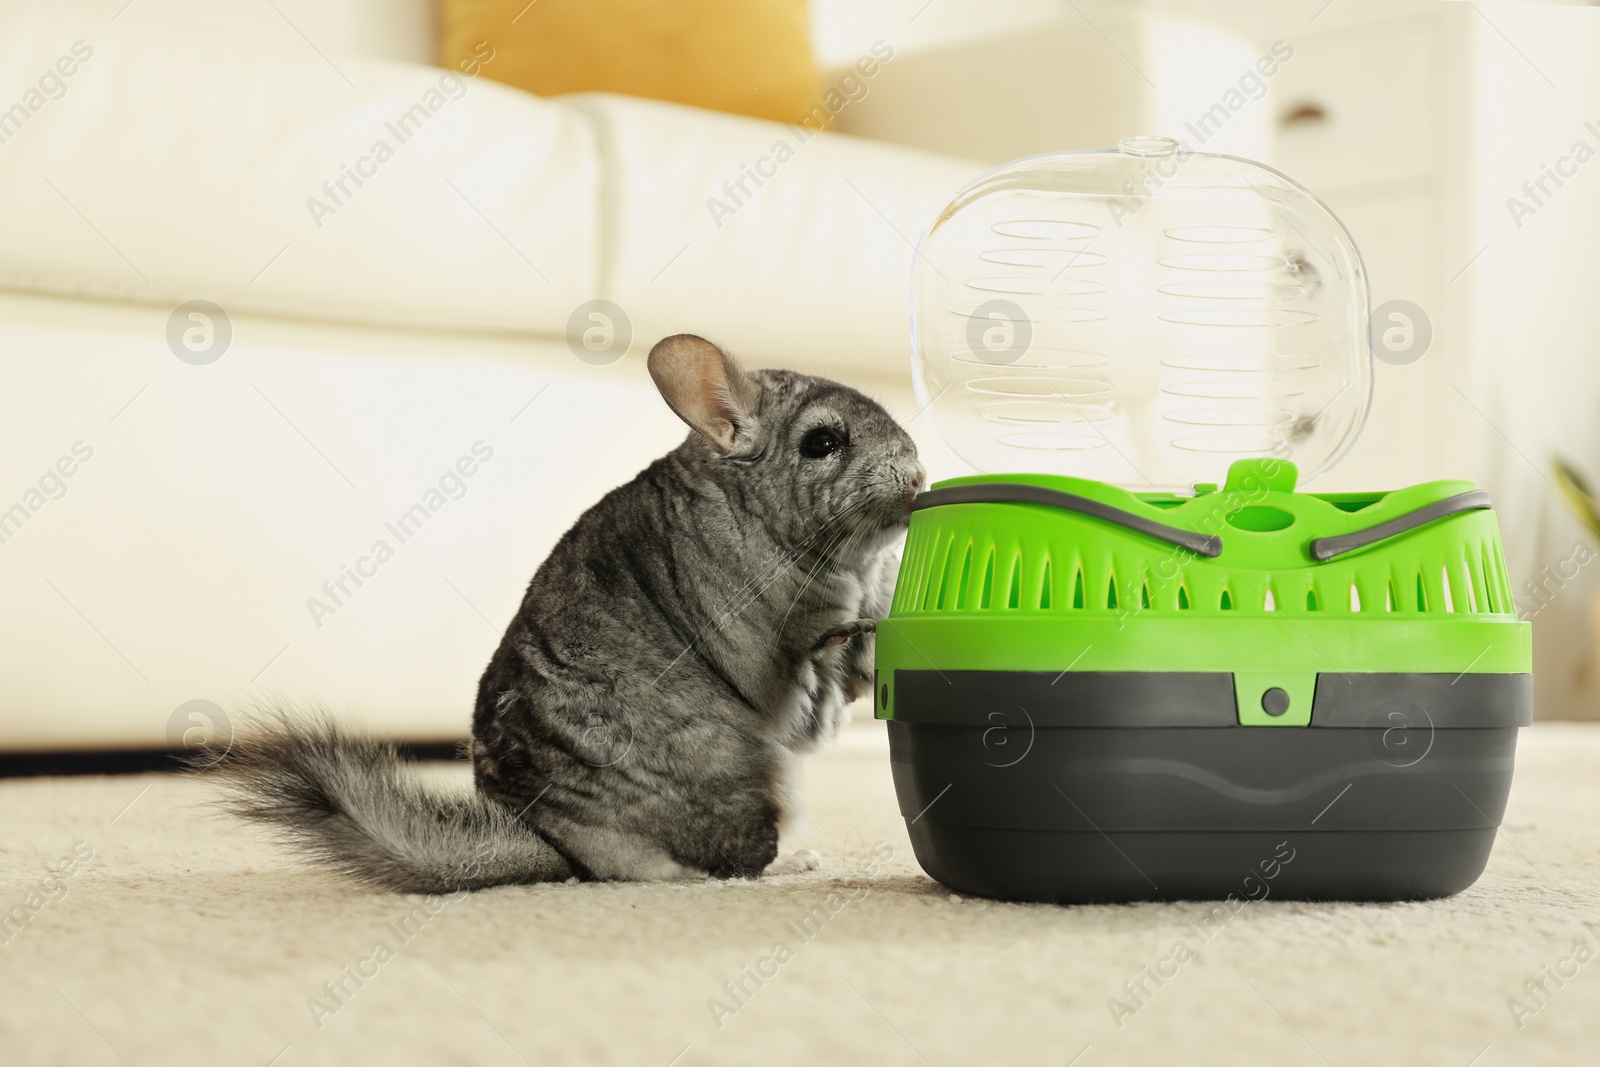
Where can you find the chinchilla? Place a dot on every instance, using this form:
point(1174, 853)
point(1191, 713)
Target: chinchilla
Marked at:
point(693, 634)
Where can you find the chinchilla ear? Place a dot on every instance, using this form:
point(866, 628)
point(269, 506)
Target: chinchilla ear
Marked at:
point(706, 388)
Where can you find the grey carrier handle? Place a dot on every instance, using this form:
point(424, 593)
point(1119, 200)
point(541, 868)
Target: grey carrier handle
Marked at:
point(1326, 548)
point(1011, 493)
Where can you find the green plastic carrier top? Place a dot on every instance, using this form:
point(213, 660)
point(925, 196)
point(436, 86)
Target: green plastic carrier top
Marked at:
point(1029, 572)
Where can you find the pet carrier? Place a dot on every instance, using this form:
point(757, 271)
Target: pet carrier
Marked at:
point(1108, 679)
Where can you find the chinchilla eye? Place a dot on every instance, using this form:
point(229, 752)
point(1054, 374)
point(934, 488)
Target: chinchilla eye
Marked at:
point(820, 443)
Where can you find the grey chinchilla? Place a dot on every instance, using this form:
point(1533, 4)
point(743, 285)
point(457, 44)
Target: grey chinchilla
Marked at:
point(691, 636)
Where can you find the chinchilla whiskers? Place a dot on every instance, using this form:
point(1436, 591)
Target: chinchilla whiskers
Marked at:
point(852, 498)
point(744, 597)
point(844, 542)
point(785, 562)
point(752, 590)
point(793, 560)
point(833, 557)
point(788, 559)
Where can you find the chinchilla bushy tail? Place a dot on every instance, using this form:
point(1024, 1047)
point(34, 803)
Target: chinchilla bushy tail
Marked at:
point(349, 803)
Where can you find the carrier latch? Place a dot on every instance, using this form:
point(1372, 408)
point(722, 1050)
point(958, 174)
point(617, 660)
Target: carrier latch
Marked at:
point(1274, 698)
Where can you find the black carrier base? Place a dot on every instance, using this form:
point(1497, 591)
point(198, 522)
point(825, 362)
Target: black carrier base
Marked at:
point(1076, 867)
point(1394, 792)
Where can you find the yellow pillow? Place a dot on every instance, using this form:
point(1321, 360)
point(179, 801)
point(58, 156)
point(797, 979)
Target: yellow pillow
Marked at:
point(750, 57)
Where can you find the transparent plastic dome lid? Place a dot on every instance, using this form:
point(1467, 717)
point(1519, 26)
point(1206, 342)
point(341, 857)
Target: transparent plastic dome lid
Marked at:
point(1143, 316)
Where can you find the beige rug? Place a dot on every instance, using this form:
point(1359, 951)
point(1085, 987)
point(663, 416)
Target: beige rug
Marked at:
point(185, 939)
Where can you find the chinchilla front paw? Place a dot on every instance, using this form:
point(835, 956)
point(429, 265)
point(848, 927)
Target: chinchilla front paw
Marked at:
point(841, 634)
point(855, 687)
point(797, 862)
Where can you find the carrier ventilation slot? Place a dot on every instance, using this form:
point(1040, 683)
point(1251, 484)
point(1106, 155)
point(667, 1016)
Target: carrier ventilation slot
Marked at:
point(942, 601)
point(936, 576)
point(963, 571)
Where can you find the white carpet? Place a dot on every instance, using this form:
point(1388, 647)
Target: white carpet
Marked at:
point(188, 940)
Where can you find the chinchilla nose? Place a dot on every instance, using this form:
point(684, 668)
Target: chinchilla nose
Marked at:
point(915, 479)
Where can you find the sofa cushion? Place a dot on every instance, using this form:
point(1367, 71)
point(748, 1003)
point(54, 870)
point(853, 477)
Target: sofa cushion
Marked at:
point(358, 190)
point(292, 182)
point(785, 244)
point(750, 57)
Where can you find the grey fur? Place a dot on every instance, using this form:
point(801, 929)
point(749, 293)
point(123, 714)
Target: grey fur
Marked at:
point(693, 633)
point(346, 801)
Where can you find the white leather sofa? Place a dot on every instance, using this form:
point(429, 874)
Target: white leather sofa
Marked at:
point(212, 506)
point(220, 508)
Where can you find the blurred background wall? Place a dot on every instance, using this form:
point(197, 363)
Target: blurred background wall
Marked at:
point(1418, 123)
point(373, 352)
